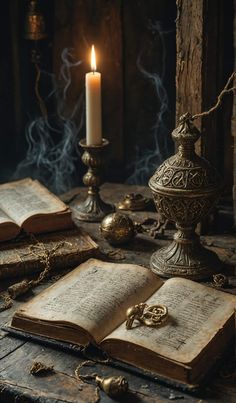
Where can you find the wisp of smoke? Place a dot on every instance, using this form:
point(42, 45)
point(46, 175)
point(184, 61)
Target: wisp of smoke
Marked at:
point(52, 139)
point(147, 160)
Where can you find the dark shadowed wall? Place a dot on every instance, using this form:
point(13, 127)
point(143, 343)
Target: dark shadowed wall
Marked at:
point(135, 43)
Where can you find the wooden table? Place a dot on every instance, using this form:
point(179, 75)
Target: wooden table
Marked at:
point(17, 356)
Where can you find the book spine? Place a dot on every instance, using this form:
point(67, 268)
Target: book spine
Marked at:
point(57, 262)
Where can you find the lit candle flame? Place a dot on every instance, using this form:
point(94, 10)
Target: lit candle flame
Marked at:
point(93, 59)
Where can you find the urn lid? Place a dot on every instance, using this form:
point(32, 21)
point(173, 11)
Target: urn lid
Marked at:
point(185, 132)
point(185, 171)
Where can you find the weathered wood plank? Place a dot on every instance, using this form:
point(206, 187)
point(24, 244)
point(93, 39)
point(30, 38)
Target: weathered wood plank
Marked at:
point(8, 345)
point(189, 42)
point(204, 63)
point(63, 386)
point(15, 379)
point(201, 71)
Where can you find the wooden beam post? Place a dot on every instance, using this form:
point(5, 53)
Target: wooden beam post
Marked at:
point(204, 63)
point(201, 69)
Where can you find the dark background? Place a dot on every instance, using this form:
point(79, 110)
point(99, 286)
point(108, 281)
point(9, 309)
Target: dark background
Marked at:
point(135, 42)
point(136, 51)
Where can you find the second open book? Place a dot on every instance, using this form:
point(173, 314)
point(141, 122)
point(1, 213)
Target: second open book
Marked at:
point(89, 305)
point(26, 204)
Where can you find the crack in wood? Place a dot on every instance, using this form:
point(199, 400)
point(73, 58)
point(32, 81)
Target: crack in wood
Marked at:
point(48, 396)
point(12, 351)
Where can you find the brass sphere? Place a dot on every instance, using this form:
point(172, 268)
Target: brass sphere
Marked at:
point(117, 228)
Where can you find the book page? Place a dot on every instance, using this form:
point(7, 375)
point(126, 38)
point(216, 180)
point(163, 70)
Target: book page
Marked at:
point(4, 218)
point(8, 228)
point(95, 296)
point(196, 313)
point(25, 198)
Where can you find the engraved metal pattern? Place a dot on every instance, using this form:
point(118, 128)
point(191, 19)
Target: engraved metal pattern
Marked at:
point(117, 228)
point(180, 173)
point(185, 188)
point(183, 210)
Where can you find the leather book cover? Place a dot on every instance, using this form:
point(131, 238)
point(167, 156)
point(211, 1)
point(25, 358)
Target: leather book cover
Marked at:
point(65, 249)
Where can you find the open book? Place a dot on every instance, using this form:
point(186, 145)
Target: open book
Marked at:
point(89, 305)
point(28, 205)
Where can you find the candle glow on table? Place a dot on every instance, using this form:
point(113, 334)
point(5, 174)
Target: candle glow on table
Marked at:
point(93, 104)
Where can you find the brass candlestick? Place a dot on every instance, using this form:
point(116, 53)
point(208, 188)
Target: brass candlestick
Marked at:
point(185, 188)
point(94, 209)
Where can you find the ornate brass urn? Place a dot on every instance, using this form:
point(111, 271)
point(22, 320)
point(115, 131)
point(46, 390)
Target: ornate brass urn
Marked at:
point(185, 188)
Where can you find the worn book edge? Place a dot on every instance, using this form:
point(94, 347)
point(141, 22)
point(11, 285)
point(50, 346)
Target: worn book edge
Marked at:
point(51, 215)
point(91, 351)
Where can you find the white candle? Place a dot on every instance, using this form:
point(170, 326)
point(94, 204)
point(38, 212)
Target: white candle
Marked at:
point(93, 104)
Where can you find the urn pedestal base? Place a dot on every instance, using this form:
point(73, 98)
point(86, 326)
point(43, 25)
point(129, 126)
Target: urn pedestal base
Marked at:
point(185, 257)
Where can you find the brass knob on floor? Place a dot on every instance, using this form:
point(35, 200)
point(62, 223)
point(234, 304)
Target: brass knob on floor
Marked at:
point(113, 386)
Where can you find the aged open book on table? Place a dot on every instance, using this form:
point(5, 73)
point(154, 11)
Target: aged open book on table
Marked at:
point(89, 305)
point(28, 205)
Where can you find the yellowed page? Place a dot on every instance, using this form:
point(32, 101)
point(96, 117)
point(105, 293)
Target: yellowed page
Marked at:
point(95, 296)
point(196, 313)
point(25, 198)
point(8, 228)
point(4, 218)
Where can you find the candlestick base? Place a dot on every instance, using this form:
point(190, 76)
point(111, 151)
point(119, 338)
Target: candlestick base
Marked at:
point(93, 209)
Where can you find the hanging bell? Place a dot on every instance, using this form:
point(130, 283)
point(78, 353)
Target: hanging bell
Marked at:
point(34, 23)
point(113, 386)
